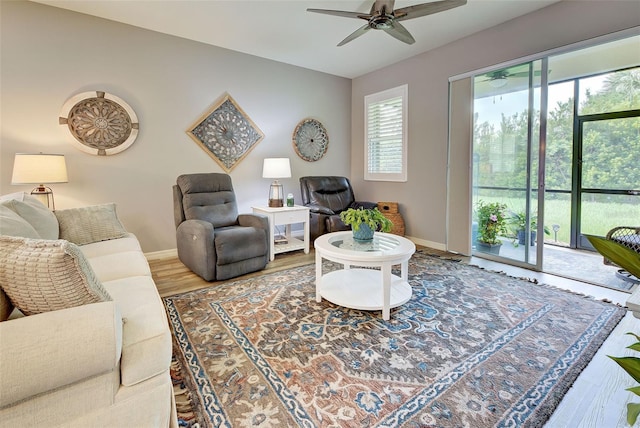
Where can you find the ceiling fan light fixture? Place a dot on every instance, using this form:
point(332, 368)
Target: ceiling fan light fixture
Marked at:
point(498, 82)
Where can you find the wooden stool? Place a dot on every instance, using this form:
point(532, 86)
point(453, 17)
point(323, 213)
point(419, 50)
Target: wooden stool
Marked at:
point(390, 211)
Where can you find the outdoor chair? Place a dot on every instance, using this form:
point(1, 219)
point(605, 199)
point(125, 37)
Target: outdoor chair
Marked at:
point(630, 238)
point(213, 240)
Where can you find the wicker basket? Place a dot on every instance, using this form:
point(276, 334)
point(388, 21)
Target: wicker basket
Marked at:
point(390, 211)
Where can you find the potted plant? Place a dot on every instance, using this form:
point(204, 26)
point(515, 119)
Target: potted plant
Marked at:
point(628, 260)
point(632, 366)
point(364, 222)
point(518, 222)
point(492, 220)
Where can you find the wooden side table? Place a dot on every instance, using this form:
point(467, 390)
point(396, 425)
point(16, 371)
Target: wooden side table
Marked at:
point(286, 216)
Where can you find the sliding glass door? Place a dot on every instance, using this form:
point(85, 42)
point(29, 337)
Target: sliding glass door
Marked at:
point(507, 151)
point(609, 188)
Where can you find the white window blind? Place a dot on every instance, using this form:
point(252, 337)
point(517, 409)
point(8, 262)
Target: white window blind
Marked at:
point(385, 135)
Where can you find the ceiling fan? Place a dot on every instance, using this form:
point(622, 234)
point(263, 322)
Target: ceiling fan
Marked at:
point(498, 78)
point(383, 17)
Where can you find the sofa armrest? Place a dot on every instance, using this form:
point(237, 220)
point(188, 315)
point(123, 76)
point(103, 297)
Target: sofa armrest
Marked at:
point(51, 350)
point(194, 239)
point(258, 221)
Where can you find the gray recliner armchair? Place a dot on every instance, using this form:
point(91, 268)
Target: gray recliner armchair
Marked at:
point(213, 240)
point(327, 197)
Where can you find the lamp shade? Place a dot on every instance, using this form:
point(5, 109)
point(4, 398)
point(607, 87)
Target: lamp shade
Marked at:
point(39, 169)
point(276, 168)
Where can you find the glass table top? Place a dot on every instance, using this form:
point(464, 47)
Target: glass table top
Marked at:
point(378, 243)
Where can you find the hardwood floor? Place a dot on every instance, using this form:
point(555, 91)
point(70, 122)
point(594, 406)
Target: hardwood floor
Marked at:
point(172, 277)
point(597, 398)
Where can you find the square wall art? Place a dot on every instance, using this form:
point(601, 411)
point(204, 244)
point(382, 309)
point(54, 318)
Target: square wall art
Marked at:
point(226, 133)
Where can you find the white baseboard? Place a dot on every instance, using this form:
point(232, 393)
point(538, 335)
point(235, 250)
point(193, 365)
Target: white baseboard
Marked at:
point(163, 254)
point(425, 243)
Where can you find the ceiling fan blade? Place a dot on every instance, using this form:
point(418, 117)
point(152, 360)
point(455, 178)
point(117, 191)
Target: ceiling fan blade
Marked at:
point(359, 32)
point(398, 31)
point(423, 9)
point(342, 13)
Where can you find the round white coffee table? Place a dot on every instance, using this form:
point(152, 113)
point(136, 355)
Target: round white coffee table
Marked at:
point(364, 289)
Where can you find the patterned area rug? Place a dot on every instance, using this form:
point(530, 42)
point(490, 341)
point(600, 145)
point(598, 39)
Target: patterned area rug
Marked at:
point(471, 348)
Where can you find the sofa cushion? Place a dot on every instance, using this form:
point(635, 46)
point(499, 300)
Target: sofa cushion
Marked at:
point(42, 275)
point(90, 224)
point(12, 224)
point(146, 339)
point(36, 214)
point(112, 246)
point(120, 265)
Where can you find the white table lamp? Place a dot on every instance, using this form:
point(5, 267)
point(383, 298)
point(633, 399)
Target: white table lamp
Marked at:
point(276, 168)
point(39, 169)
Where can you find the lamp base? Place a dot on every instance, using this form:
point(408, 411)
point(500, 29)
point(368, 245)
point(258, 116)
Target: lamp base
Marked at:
point(45, 196)
point(276, 203)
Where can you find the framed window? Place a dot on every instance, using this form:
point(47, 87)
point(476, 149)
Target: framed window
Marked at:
point(385, 146)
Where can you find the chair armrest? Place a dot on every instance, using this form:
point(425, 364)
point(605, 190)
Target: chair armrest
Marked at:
point(196, 230)
point(194, 239)
point(258, 221)
point(320, 209)
point(51, 350)
point(335, 224)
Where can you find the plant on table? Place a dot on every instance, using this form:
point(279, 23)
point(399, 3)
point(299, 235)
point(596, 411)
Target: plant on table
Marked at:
point(492, 220)
point(372, 217)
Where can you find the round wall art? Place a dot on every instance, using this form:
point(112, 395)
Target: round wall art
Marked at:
point(100, 123)
point(310, 140)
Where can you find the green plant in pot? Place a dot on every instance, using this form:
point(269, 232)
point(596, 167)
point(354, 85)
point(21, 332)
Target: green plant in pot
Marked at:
point(628, 260)
point(518, 223)
point(365, 221)
point(632, 366)
point(492, 220)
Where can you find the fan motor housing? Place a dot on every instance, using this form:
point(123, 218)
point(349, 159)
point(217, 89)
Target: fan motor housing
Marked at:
point(381, 22)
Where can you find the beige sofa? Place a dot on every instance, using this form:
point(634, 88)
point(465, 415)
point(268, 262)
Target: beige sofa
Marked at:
point(96, 347)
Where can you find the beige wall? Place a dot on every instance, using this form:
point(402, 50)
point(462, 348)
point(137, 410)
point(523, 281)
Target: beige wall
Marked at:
point(423, 198)
point(49, 54)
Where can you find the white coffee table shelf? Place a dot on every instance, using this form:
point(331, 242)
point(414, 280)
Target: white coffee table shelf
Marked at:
point(364, 289)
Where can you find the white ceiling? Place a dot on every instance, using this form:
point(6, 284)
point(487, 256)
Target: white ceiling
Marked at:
point(284, 31)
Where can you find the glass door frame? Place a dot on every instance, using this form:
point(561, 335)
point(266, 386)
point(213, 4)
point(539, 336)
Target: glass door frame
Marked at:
point(541, 145)
point(577, 239)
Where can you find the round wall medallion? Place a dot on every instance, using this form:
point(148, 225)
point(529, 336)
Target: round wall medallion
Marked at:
point(100, 123)
point(310, 140)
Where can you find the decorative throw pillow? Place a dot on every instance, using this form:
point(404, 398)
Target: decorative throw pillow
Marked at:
point(42, 275)
point(12, 224)
point(36, 214)
point(90, 224)
point(18, 196)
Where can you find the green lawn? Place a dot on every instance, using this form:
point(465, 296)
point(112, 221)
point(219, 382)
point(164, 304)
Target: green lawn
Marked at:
point(598, 217)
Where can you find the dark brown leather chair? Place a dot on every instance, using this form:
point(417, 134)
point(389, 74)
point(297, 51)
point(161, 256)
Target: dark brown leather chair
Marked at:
point(327, 197)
